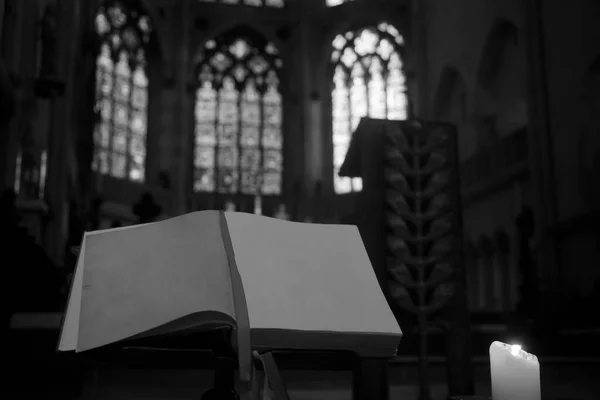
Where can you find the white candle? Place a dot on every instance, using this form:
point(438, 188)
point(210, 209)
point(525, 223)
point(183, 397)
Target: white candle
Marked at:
point(515, 373)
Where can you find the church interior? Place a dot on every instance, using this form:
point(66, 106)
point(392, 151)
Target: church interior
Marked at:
point(120, 112)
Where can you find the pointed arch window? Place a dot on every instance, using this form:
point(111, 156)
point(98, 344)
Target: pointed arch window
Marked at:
point(368, 80)
point(253, 3)
point(121, 91)
point(238, 116)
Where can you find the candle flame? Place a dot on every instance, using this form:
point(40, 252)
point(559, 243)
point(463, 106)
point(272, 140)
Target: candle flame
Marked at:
point(515, 349)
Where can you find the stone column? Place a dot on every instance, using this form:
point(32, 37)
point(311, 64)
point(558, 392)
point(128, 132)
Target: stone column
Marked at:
point(540, 135)
point(311, 100)
point(182, 187)
point(8, 97)
point(7, 107)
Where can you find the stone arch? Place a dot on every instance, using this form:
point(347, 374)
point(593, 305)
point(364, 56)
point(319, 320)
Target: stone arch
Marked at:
point(238, 69)
point(258, 32)
point(450, 96)
point(237, 24)
point(353, 25)
point(500, 97)
point(159, 50)
point(324, 69)
point(241, 24)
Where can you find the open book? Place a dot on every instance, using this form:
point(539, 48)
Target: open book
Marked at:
point(279, 284)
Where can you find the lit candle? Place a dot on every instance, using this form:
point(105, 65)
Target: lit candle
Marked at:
point(515, 373)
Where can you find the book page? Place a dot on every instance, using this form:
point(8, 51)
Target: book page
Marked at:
point(70, 327)
point(138, 280)
point(307, 277)
point(70, 324)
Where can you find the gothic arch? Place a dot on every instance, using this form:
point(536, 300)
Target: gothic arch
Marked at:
point(239, 23)
point(124, 37)
point(356, 23)
point(233, 24)
point(159, 50)
point(368, 79)
point(450, 97)
point(238, 114)
point(158, 40)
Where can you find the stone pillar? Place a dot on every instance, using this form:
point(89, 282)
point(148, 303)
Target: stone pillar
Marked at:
point(58, 25)
point(9, 39)
point(540, 135)
point(183, 152)
point(311, 98)
point(153, 121)
point(420, 94)
point(7, 106)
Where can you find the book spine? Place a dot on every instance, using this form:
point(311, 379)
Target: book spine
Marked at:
point(244, 346)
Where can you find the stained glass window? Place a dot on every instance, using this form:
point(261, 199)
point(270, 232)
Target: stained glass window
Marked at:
point(238, 115)
point(253, 3)
point(333, 3)
point(368, 80)
point(121, 91)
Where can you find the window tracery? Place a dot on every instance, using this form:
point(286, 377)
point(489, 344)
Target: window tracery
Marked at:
point(238, 114)
point(121, 91)
point(368, 80)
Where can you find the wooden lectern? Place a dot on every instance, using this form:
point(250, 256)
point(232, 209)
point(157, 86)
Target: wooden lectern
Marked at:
point(370, 375)
point(238, 289)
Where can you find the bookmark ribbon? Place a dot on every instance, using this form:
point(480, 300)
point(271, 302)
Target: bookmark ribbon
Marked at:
point(273, 385)
point(273, 389)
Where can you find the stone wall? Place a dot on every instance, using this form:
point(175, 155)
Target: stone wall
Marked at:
point(493, 68)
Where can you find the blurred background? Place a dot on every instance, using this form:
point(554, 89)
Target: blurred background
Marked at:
point(120, 112)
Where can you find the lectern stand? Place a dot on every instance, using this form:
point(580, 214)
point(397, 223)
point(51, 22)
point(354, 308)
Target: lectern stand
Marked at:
point(212, 351)
point(369, 382)
point(225, 369)
point(224, 383)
